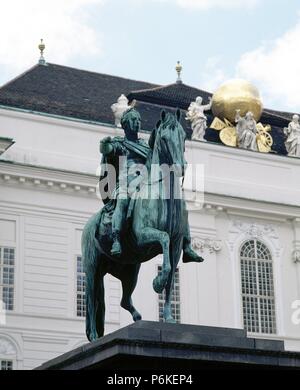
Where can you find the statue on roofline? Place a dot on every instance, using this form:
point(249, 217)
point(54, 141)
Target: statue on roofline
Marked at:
point(198, 119)
point(246, 131)
point(119, 108)
point(292, 133)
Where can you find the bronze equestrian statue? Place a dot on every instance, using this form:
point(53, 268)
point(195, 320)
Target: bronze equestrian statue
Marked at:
point(144, 215)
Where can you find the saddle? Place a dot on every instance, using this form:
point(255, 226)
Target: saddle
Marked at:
point(131, 252)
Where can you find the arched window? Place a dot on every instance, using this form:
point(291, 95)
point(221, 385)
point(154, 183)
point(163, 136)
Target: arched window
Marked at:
point(257, 288)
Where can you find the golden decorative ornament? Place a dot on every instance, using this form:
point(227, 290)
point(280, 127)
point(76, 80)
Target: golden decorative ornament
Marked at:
point(42, 47)
point(178, 69)
point(228, 136)
point(236, 95)
point(217, 124)
point(264, 138)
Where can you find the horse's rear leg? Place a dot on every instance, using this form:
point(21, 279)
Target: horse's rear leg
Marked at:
point(90, 296)
point(150, 236)
point(129, 280)
point(95, 300)
point(100, 305)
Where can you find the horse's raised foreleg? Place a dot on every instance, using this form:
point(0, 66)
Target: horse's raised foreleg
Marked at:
point(128, 279)
point(149, 236)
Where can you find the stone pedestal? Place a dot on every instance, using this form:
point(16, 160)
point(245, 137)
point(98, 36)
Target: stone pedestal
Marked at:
point(154, 345)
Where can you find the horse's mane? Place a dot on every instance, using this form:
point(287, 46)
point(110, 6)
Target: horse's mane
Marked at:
point(170, 121)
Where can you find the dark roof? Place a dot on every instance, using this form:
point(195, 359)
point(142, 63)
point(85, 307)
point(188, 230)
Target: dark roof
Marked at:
point(65, 91)
point(75, 93)
point(177, 95)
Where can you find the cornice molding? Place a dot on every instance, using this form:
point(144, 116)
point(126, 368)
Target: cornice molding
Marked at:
point(47, 179)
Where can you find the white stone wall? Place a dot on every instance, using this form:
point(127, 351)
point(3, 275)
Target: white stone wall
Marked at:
point(43, 208)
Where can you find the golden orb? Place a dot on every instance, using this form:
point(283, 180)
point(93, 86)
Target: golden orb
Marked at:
point(236, 95)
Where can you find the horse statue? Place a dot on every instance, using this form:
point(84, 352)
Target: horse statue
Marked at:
point(156, 227)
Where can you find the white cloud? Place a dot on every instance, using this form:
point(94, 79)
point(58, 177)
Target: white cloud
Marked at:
point(275, 68)
point(213, 75)
point(63, 24)
point(208, 4)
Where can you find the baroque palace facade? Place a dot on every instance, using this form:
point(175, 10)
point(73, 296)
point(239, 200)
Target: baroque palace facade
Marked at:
point(52, 118)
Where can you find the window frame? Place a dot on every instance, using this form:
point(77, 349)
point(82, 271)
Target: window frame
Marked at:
point(7, 361)
point(9, 267)
point(258, 296)
point(18, 266)
point(76, 289)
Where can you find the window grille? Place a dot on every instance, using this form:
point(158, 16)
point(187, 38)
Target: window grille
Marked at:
point(7, 277)
point(6, 365)
point(81, 305)
point(257, 288)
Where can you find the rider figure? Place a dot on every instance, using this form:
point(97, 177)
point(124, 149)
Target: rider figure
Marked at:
point(135, 152)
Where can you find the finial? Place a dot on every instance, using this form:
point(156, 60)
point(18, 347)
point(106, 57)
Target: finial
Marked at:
point(178, 70)
point(42, 47)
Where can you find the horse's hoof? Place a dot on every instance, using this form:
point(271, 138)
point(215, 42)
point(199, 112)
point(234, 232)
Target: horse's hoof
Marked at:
point(170, 320)
point(157, 286)
point(136, 317)
point(190, 256)
point(92, 337)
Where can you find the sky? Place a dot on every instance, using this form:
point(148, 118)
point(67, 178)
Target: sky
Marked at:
point(215, 40)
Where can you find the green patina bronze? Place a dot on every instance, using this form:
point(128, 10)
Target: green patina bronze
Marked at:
point(128, 231)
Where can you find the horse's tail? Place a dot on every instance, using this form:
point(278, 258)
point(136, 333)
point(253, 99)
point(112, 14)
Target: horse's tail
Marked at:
point(90, 253)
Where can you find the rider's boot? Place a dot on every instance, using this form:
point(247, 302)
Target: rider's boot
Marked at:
point(116, 248)
point(190, 256)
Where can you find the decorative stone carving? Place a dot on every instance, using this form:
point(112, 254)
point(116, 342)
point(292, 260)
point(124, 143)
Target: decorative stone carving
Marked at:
point(242, 230)
point(296, 256)
point(296, 242)
point(292, 133)
point(7, 348)
point(254, 230)
point(197, 118)
point(119, 108)
point(200, 244)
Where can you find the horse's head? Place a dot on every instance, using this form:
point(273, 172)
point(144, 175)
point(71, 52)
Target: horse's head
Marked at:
point(170, 142)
